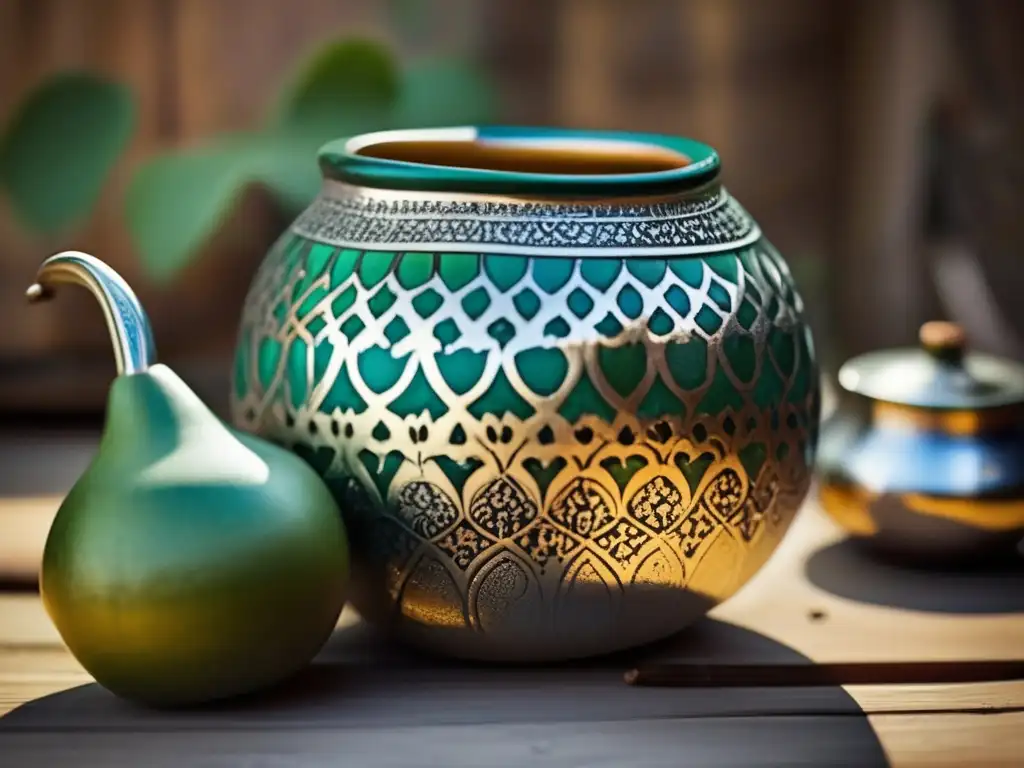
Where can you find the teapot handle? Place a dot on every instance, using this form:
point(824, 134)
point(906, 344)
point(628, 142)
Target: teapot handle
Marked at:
point(130, 331)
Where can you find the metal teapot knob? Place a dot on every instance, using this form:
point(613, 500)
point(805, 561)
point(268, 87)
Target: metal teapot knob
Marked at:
point(943, 340)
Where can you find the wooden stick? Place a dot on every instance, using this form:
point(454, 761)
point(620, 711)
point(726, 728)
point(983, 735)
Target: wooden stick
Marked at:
point(702, 675)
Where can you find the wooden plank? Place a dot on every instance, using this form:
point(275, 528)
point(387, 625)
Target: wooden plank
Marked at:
point(976, 697)
point(26, 522)
point(382, 682)
point(781, 617)
point(718, 742)
point(359, 680)
point(48, 665)
point(851, 609)
point(361, 697)
point(28, 672)
point(23, 622)
point(969, 614)
point(752, 674)
point(14, 693)
point(368, 694)
point(772, 621)
point(40, 661)
point(782, 604)
point(36, 469)
point(952, 741)
point(889, 740)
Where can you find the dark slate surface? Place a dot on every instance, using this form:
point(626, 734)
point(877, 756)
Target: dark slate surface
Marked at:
point(366, 702)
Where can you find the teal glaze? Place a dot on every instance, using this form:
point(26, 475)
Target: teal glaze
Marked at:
point(190, 562)
point(529, 404)
point(340, 160)
point(531, 282)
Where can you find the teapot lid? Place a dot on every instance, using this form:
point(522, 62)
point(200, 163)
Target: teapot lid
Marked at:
point(938, 374)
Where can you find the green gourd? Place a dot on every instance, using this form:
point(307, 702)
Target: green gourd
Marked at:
point(190, 562)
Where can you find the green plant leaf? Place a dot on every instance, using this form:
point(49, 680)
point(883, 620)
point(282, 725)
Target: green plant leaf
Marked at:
point(442, 92)
point(60, 146)
point(288, 168)
point(346, 86)
point(178, 200)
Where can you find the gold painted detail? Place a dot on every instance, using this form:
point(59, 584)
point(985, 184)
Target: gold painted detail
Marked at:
point(951, 422)
point(471, 517)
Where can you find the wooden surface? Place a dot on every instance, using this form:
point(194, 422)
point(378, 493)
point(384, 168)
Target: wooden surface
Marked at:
point(375, 704)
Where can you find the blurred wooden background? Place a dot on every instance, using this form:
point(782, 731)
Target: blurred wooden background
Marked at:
point(816, 108)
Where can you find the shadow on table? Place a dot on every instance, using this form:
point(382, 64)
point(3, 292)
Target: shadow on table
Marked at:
point(850, 571)
point(374, 703)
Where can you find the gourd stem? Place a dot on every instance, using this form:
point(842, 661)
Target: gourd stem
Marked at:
point(130, 331)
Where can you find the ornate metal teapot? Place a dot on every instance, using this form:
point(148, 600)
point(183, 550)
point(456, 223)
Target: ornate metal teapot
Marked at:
point(925, 457)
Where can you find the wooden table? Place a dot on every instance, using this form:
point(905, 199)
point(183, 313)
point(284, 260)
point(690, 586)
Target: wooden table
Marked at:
point(365, 703)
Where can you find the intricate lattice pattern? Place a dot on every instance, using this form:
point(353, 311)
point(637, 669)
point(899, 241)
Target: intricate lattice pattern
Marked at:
point(361, 217)
point(550, 421)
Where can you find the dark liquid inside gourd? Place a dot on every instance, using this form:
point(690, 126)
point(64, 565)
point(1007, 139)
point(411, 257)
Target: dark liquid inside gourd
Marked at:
point(521, 158)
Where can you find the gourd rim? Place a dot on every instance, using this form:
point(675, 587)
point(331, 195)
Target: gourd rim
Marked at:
point(511, 160)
